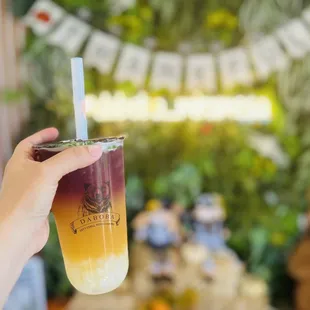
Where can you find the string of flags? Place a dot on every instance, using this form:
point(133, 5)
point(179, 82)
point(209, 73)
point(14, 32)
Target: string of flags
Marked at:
point(239, 66)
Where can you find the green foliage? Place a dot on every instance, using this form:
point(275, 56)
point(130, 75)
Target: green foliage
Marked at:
point(294, 93)
point(11, 96)
point(179, 159)
point(134, 193)
point(50, 72)
point(182, 185)
point(270, 246)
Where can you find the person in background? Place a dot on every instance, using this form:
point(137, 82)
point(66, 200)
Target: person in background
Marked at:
point(26, 197)
point(299, 265)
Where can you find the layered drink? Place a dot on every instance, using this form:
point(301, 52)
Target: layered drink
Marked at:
point(90, 214)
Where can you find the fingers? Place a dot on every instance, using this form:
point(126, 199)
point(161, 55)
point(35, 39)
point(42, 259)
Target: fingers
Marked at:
point(72, 159)
point(46, 135)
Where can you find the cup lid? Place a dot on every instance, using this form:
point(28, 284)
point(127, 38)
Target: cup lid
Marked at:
point(108, 144)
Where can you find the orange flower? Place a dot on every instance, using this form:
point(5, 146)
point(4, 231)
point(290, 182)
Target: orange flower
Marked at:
point(159, 305)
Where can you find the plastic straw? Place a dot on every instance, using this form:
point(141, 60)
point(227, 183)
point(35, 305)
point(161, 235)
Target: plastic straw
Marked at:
point(79, 98)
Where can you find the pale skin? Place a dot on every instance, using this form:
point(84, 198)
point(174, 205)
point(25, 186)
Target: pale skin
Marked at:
point(26, 197)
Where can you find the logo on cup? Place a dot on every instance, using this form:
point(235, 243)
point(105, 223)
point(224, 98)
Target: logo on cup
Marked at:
point(95, 209)
point(96, 199)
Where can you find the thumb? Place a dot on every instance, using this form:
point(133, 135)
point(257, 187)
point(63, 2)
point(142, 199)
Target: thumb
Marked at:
point(72, 159)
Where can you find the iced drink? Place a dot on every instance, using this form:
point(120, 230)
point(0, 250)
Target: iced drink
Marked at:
point(90, 214)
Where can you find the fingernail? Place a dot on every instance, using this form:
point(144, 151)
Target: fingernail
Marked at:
point(95, 150)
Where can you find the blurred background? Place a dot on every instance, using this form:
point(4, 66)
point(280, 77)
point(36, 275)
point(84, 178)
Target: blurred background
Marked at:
point(213, 98)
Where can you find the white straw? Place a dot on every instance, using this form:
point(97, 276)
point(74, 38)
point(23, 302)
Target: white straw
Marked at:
point(79, 98)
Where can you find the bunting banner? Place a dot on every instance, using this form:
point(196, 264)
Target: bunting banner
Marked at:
point(296, 38)
point(167, 71)
point(239, 66)
point(70, 35)
point(265, 63)
point(101, 51)
point(201, 73)
point(133, 65)
point(43, 17)
point(235, 68)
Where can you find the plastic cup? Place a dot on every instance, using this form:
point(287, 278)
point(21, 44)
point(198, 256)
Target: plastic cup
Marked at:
point(90, 213)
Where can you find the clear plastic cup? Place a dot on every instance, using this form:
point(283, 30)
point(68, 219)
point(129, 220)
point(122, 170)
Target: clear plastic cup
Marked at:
point(90, 214)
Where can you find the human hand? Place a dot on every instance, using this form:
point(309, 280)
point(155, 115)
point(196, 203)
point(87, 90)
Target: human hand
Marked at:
point(29, 188)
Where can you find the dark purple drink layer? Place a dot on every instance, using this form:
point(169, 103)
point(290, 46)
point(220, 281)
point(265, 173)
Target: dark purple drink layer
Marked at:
point(109, 169)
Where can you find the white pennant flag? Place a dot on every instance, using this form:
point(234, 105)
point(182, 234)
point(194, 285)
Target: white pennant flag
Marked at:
point(167, 71)
point(133, 65)
point(295, 38)
point(268, 57)
point(101, 51)
point(70, 35)
point(201, 72)
point(235, 68)
point(43, 16)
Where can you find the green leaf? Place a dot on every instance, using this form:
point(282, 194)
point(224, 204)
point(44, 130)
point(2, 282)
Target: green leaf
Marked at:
point(11, 96)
